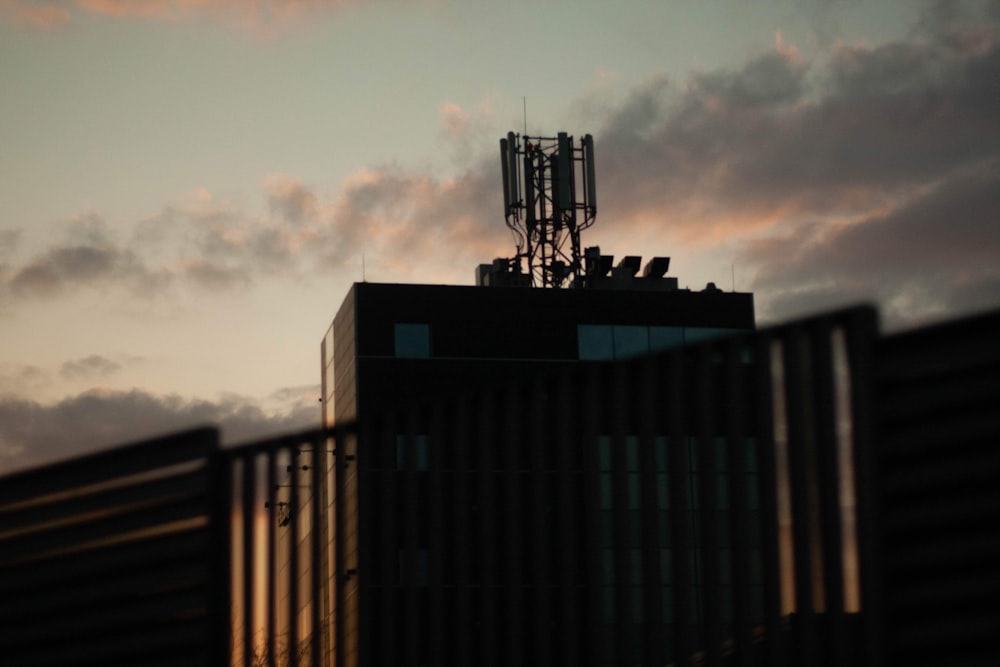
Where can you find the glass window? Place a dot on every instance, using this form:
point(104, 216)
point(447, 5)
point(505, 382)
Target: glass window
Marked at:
point(413, 341)
point(722, 492)
point(753, 491)
point(630, 341)
point(698, 334)
point(423, 566)
point(604, 452)
point(666, 567)
point(662, 492)
point(595, 342)
point(721, 454)
point(631, 453)
point(636, 600)
point(662, 453)
point(665, 338)
point(420, 452)
point(634, 501)
point(607, 501)
point(635, 557)
point(411, 446)
point(751, 454)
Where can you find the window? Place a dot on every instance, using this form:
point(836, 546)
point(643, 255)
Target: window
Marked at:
point(630, 341)
point(411, 450)
point(698, 334)
point(595, 342)
point(665, 338)
point(605, 342)
point(413, 341)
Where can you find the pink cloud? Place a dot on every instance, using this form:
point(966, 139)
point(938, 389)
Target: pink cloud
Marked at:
point(253, 15)
point(467, 128)
point(31, 16)
point(454, 120)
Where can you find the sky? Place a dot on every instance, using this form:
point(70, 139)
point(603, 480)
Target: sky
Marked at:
point(188, 188)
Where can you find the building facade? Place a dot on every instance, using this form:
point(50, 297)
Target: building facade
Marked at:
point(430, 527)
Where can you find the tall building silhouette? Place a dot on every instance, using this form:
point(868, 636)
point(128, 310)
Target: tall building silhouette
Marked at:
point(432, 526)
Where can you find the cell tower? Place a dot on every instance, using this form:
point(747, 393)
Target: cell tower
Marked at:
point(543, 207)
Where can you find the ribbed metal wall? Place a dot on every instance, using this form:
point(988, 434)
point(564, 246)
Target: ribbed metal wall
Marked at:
point(939, 490)
point(117, 558)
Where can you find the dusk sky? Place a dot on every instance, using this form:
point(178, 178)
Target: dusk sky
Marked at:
point(189, 187)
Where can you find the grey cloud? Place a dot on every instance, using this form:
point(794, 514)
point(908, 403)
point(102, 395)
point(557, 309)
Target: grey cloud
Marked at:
point(16, 378)
point(804, 151)
point(67, 267)
point(32, 433)
point(87, 256)
point(945, 20)
point(292, 201)
point(216, 277)
point(272, 249)
point(974, 293)
point(310, 392)
point(937, 254)
point(769, 80)
point(90, 367)
point(9, 240)
point(873, 175)
point(412, 220)
point(726, 155)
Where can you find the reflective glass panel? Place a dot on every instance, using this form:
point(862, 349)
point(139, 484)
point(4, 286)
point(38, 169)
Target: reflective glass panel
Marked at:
point(413, 340)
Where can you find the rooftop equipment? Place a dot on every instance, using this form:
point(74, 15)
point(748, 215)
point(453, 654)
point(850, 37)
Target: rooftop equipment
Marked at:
point(549, 196)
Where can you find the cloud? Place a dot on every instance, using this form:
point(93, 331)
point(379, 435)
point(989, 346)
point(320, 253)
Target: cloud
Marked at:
point(419, 227)
point(257, 16)
point(308, 392)
point(32, 433)
point(405, 220)
point(868, 174)
point(23, 378)
point(216, 277)
point(465, 132)
point(913, 259)
point(788, 164)
point(291, 200)
point(90, 367)
point(454, 120)
point(87, 256)
point(32, 16)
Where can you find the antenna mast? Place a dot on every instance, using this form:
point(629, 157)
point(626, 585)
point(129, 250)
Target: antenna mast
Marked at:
point(550, 196)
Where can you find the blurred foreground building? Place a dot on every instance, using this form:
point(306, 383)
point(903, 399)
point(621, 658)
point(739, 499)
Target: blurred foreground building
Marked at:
point(872, 458)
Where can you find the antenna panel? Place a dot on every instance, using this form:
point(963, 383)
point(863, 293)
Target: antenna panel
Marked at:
point(505, 171)
point(544, 209)
point(564, 173)
point(529, 193)
point(590, 192)
point(513, 195)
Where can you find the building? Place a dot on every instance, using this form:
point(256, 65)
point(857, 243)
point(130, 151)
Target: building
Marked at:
point(164, 544)
point(430, 528)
